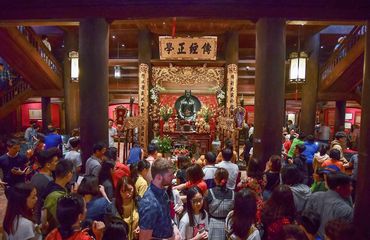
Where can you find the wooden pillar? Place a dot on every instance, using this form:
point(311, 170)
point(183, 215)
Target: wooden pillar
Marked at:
point(340, 114)
point(362, 207)
point(269, 85)
point(309, 89)
point(93, 79)
point(145, 56)
point(71, 88)
point(46, 113)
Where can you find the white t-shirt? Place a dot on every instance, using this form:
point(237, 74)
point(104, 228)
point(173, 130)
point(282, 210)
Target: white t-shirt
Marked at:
point(25, 229)
point(75, 158)
point(209, 172)
point(188, 232)
point(111, 132)
point(233, 171)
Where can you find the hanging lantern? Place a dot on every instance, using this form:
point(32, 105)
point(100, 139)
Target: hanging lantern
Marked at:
point(297, 71)
point(117, 71)
point(73, 56)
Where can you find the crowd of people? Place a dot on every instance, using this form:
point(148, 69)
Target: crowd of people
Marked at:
point(304, 193)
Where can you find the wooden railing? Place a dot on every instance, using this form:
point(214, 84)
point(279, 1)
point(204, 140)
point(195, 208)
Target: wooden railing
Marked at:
point(37, 43)
point(19, 87)
point(342, 50)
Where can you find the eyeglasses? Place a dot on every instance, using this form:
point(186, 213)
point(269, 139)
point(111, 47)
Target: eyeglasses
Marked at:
point(196, 201)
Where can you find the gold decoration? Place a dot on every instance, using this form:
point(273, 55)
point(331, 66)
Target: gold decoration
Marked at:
point(232, 84)
point(143, 103)
point(134, 122)
point(188, 75)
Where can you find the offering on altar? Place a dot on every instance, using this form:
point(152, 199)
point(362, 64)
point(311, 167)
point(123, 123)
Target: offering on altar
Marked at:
point(180, 152)
point(202, 126)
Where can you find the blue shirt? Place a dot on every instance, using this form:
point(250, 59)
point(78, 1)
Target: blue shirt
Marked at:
point(135, 155)
point(154, 212)
point(311, 149)
point(52, 140)
point(97, 208)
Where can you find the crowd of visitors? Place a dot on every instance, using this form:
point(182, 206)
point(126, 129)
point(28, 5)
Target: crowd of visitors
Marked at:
point(304, 193)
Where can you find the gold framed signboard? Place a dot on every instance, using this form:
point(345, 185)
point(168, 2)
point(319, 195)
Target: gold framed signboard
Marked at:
point(187, 48)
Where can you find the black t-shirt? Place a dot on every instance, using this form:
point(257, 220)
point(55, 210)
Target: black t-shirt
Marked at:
point(7, 163)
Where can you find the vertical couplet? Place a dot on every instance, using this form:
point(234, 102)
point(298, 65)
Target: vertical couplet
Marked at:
point(93, 79)
point(269, 98)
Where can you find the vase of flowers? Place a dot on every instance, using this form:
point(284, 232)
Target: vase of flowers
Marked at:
point(206, 112)
point(165, 112)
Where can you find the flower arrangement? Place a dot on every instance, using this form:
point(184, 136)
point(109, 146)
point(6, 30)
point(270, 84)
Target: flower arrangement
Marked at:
point(181, 152)
point(165, 112)
point(206, 112)
point(164, 144)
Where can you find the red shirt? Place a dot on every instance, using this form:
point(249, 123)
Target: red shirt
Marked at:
point(202, 185)
point(120, 170)
point(80, 235)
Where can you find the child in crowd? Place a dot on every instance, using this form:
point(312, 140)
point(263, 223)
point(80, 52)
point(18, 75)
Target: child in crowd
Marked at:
point(210, 169)
point(194, 224)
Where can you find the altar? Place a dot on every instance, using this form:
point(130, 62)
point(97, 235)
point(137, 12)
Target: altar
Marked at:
point(198, 142)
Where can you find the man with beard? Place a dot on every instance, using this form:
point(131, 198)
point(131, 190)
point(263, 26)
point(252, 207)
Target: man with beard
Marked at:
point(154, 209)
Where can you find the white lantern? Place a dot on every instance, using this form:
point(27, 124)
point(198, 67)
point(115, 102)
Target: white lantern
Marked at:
point(117, 71)
point(297, 71)
point(73, 55)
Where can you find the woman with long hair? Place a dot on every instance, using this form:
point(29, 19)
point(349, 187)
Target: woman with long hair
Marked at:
point(278, 211)
point(126, 207)
point(71, 211)
point(219, 202)
point(240, 222)
point(106, 178)
point(18, 222)
point(194, 224)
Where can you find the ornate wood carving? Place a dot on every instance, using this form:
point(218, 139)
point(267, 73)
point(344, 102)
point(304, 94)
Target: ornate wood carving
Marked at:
point(188, 75)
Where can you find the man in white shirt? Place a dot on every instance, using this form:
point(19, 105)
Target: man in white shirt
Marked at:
point(112, 132)
point(231, 168)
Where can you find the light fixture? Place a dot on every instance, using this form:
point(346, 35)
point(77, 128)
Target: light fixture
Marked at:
point(73, 56)
point(298, 61)
point(117, 71)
